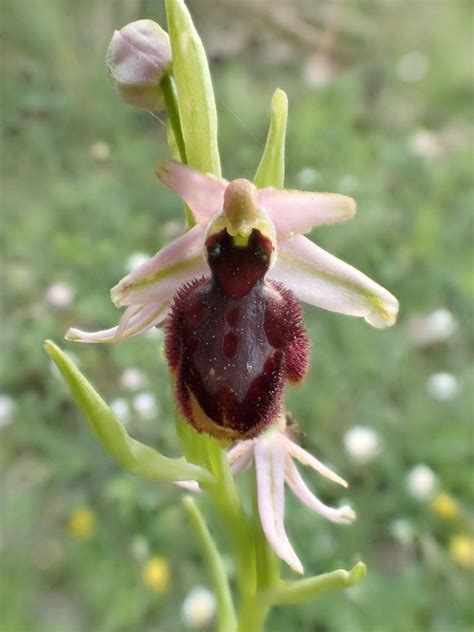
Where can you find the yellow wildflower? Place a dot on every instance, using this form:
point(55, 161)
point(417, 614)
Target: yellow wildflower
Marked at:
point(81, 525)
point(461, 549)
point(156, 574)
point(445, 506)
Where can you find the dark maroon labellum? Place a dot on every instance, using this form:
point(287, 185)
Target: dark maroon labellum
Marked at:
point(233, 340)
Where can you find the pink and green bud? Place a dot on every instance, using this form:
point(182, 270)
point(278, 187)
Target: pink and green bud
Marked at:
point(138, 57)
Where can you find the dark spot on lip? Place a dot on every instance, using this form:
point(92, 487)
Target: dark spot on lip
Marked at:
point(230, 345)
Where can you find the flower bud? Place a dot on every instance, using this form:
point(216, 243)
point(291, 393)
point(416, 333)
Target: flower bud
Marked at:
point(137, 58)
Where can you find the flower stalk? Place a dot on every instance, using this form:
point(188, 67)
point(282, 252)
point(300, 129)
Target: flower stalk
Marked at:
point(226, 619)
point(171, 99)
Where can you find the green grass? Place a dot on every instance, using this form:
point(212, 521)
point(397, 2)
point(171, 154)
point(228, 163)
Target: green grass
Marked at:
point(67, 217)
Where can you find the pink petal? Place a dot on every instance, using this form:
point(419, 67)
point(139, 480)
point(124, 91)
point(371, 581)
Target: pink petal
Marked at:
point(237, 450)
point(308, 459)
point(149, 316)
point(270, 469)
point(242, 463)
point(203, 193)
point(125, 319)
point(295, 212)
point(158, 279)
point(240, 456)
point(343, 515)
point(190, 486)
point(320, 279)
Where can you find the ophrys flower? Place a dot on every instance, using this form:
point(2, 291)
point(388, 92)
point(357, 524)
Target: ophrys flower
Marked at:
point(228, 290)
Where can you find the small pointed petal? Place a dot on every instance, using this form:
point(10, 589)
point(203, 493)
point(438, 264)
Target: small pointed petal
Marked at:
point(343, 515)
point(190, 486)
point(296, 212)
point(149, 316)
point(237, 450)
point(203, 193)
point(320, 279)
point(242, 463)
point(158, 279)
point(270, 470)
point(308, 459)
point(271, 170)
point(125, 320)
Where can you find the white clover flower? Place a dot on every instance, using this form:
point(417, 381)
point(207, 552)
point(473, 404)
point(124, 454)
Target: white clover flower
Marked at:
point(60, 294)
point(135, 260)
point(319, 71)
point(442, 323)
point(140, 547)
point(362, 444)
point(121, 408)
point(426, 144)
point(413, 67)
point(436, 327)
point(145, 405)
point(7, 410)
point(402, 530)
point(172, 229)
point(100, 151)
point(442, 386)
point(421, 482)
point(133, 379)
point(308, 177)
point(349, 183)
point(199, 608)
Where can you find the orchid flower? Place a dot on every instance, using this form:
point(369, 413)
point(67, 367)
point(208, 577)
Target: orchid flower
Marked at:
point(228, 290)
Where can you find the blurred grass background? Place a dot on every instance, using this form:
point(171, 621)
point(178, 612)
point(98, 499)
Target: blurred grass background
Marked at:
point(380, 103)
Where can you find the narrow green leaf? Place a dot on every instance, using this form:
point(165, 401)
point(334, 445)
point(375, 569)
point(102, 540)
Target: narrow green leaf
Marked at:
point(307, 589)
point(226, 620)
point(197, 107)
point(271, 170)
point(132, 455)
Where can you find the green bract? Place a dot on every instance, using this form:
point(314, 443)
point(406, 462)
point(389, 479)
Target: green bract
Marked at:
point(197, 107)
point(132, 455)
point(271, 170)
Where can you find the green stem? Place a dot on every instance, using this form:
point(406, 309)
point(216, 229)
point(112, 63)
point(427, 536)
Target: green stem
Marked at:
point(254, 610)
point(252, 617)
point(226, 620)
point(168, 86)
point(171, 99)
point(225, 498)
